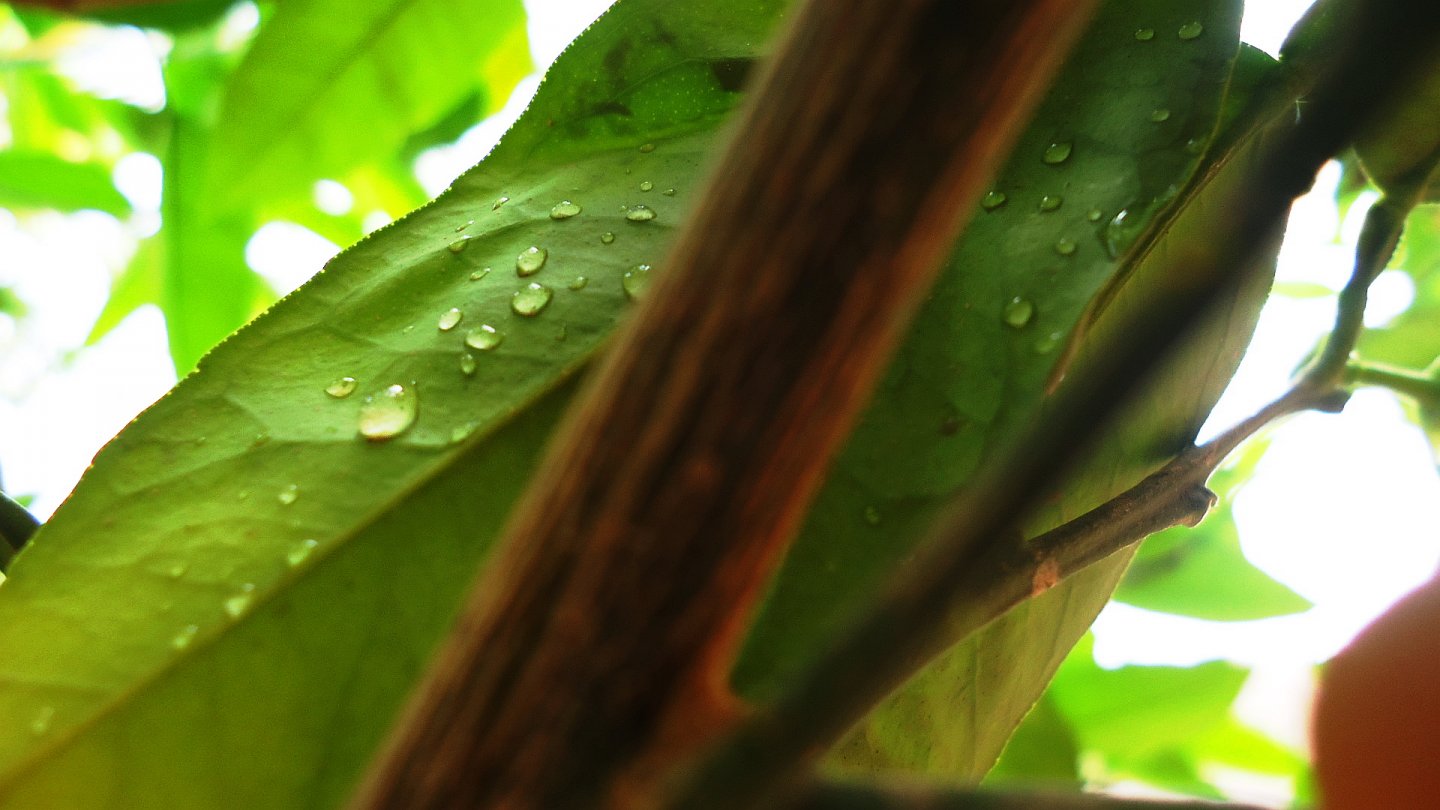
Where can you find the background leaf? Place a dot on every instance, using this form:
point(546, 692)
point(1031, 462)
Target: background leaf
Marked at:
point(42, 180)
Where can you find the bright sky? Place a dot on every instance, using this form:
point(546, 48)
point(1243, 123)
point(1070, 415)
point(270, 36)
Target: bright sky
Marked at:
point(1340, 510)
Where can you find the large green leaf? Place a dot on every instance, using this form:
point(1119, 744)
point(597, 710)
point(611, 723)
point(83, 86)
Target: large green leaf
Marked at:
point(973, 375)
point(329, 84)
point(1202, 572)
point(43, 180)
point(234, 603)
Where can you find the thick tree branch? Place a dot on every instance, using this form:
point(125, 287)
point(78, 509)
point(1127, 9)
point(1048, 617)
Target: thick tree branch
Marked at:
point(593, 655)
point(917, 617)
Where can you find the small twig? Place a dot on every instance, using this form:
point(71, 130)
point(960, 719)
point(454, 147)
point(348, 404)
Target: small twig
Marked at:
point(825, 796)
point(1421, 386)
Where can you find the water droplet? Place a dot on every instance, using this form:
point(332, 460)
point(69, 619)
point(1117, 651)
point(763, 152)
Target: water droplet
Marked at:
point(341, 388)
point(1145, 34)
point(640, 213)
point(468, 223)
point(1051, 202)
point(564, 210)
point(872, 515)
point(635, 280)
point(1019, 312)
point(607, 238)
point(647, 148)
point(408, 329)
point(449, 319)
point(389, 413)
point(1195, 146)
point(479, 274)
point(236, 605)
point(182, 639)
point(578, 283)
point(1119, 233)
point(177, 570)
point(260, 440)
point(460, 433)
point(484, 337)
point(289, 494)
point(499, 202)
point(41, 723)
point(993, 200)
point(1159, 115)
point(1065, 247)
point(1057, 153)
point(646, 185)
point(1191, 30)
point(301, 551)
point(531, 299)
point(669, 192)
point(467, 363)
point(530, 260)
point(1047, 344)
point(458, 245)
point(1094, 214)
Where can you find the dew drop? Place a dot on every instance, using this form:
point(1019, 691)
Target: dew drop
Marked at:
point(341, 388)
point(1159, 115)
point(389, 413)
point(1195, 146)
point(499, 201)
point(635, 280)
point(1019, 312)
point(646, 185)
point(531, 299)
point(1065, 247)
point(1051, 202)
point(564, 210)
point(460, 433)
point(467, 363)
point(669, 192)
point(301, 551)
point(468, 223)
point(449, 319)
point(458, 245)
point(530, 260)
point(1047, 344)
point(993, 200)
point(647, 148)
point(1094, 214)
point(177, 570)
point(1119, 233)
point(640, 213)
point(1057, 153)
point(479, 274)
point(1191, 30)
point(236, 605)
point(578, 283)
point(484, 337)
point(871, 515)
point(563, 333)
point(41, 723)
point(1145, 34)
point(182, 639)
point(289, 494)
point(607, 238)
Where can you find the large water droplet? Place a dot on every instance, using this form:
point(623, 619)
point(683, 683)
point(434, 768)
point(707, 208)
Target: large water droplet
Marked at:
point(458, 245)
point(301, 551)
point(467, 363)
point(1057, 153)
point(640, 213)
point(1065, 247)
point(289, 494)
point(449, 319)
point(1145, 34)
point(484, 337)
point(1159, 115)
point(531, 299)
point(1019, 312)
point(235, 606)
point(564, 210)
point(389, 413)
point(341, 388)
point(578, 283)
point(1191, 30)
point(41, 722)
point(607, 238)
point(530, 260)
point(1051, 202)
point(182, 639)
point(646, 185)
point(635, 280)
point(993, 200)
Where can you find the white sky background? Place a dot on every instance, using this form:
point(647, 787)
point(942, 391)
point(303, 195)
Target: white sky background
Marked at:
point(1341, 508)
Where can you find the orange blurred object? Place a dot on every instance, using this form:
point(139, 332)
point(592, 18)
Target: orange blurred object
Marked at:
point(1377, 720)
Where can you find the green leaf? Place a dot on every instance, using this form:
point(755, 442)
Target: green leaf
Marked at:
point(1042, 751)
point(329, 84)
point(967, 381)
point(32, 179)
point(1202, 572)
point(1410, 340)
point(172, 638)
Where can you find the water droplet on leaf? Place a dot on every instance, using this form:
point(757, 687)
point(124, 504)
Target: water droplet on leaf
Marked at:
point(1065, 247)
point(467, 363)
point(607, 238)
point(647, 148)
point(458, 245)
point(530, 260)
point(479, 274)
point(236, 605)
point(640, 213)
point(449, 319)
point(646, 185)
point(1019, 312)
point(289, 494)
point(635, 280)
point(499, 202)
point(1057, 153)
point(389, 413)
point(41, 723)
point(1051, 202)
point(578, 283)
point(1145, 34)
point(182, 639)
point(1159, 115)
point(484, 337)
point(531, 299)
point(564, 210)
point(301, 551)
point(341, 388)
point(1094, 214)
point(1191, 30)
point(993, 200)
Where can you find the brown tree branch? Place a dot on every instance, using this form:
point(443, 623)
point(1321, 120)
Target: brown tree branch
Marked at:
point(593, 654)
point(919, 797)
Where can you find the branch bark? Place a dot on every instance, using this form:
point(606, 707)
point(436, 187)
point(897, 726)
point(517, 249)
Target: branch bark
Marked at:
point(592, 657)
